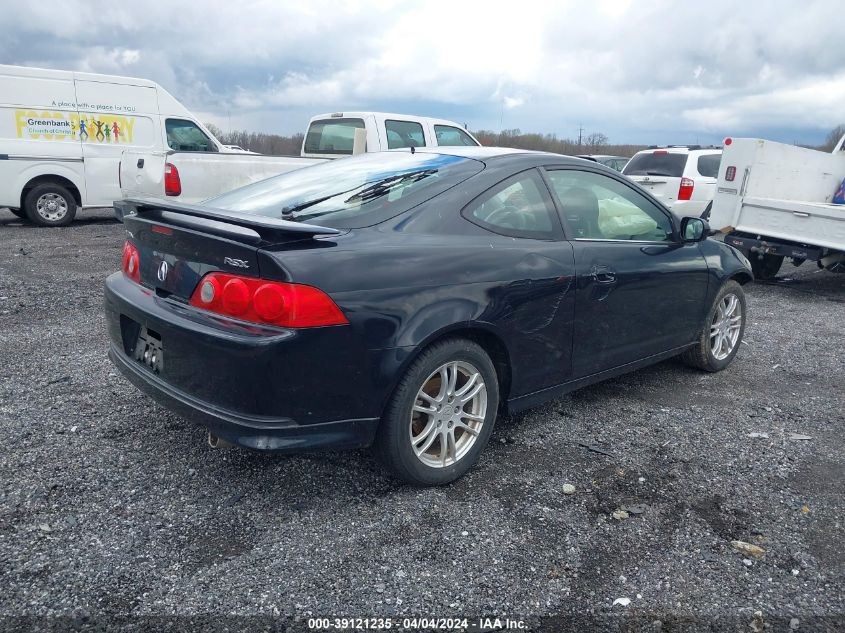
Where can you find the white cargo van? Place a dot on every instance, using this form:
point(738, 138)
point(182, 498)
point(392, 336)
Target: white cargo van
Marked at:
point(62, 134)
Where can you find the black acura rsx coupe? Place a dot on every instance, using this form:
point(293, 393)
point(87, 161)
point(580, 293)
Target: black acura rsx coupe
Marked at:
point(404, 299)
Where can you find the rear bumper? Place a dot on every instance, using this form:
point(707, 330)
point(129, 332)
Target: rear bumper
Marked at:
point(270, 434)
point(274, 390)
point(770, 246)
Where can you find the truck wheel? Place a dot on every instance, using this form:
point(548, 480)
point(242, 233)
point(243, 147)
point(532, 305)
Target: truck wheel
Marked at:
point(722, 334)
point(765, 268)
point(441, 415)
point(50, 205)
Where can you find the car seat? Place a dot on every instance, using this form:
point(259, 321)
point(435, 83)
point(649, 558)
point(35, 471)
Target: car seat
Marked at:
point(581, 210)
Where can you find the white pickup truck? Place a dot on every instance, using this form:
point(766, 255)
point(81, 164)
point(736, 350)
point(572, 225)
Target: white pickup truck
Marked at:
point(774, 201)
point(192, 176)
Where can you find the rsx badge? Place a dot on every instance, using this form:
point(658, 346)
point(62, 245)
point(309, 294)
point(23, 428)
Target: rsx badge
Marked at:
point(237, 263)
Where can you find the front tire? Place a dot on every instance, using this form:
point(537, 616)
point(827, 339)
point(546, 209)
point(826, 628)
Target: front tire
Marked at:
point(441, 415)
point(50, 204)
point(722, 335)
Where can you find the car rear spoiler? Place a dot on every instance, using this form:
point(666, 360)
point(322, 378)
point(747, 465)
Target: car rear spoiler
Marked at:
point(242, 227)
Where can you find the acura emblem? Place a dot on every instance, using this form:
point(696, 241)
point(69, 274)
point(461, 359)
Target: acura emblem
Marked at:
point(162, 271)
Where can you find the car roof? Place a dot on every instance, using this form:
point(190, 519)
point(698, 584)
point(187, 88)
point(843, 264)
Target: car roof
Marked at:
point(468, 151)
point(682, 149)
point(486, 154)
point(600, 156)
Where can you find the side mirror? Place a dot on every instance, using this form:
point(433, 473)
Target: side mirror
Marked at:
point(694, 229)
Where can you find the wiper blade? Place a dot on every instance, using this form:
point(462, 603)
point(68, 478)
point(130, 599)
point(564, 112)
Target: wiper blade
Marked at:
point(365, 194)
point(658, 173)
point(288, 211)
point(388, 184)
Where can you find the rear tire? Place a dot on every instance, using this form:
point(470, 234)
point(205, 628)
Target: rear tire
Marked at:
point(766, 267)
point(722, 334)
point(441, 415)
point(50, 204)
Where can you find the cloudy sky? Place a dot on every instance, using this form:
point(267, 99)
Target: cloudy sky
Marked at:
point(650, 71)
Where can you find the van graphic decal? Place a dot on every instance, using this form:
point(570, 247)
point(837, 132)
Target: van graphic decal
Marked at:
point(70, 126)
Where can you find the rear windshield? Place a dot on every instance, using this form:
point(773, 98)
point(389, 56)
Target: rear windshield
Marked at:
point(656, 164)
point(708, 165)
point(353, 192)
point(332, 136)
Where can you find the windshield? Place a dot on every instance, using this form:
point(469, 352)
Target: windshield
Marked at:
point(659, 163)
point(352, 192)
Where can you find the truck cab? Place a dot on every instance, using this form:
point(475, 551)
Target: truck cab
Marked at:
point(333, 135)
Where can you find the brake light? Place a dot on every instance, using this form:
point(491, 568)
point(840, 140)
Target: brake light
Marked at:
point(730, 173)
point(660, 151)
point(262, 301)
point(172, 184)
point(728, 141)
point(131, 262)
point(685, 190)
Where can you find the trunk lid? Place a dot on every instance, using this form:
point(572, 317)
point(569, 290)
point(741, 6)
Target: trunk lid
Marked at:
point(664, 188)
point(178, 243)
point(659, 172)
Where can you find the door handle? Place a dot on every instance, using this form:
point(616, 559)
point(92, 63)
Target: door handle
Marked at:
point(602, 275)
point(140, 163)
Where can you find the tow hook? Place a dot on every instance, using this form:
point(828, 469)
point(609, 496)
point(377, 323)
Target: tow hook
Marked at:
point(218, 442)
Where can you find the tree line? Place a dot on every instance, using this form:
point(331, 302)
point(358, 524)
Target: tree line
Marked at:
point(595, 143)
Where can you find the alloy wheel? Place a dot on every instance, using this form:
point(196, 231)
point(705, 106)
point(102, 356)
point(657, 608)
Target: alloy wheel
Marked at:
point(448, 413)
point(724, 330)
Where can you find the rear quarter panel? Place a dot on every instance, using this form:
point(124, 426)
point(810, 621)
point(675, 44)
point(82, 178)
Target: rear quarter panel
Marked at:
point(525, 298)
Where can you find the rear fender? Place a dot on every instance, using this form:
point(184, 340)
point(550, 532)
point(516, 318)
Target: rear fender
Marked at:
point(75, 175)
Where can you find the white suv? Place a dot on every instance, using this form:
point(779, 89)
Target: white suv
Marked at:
point(683, 177)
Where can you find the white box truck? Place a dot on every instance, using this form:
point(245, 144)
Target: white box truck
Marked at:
point(62, 134)
point(774, 201)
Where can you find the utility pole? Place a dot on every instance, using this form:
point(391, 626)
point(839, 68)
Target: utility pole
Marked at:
point(580, 132)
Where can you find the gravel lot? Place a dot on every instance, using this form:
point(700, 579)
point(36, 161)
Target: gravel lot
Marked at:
point(115, 511)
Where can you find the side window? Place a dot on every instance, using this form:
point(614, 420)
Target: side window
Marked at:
point(708, 165)
point(518, 206)
point(185, 136)
point(595, 206)
point(448, 136)
point(404, 134)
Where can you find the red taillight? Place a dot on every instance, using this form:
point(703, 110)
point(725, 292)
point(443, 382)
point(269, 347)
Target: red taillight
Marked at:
point(685, 191)
point(172, 184)
point(131, 262)
point(730, 173)
point(728, 141)
point(262, 301)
